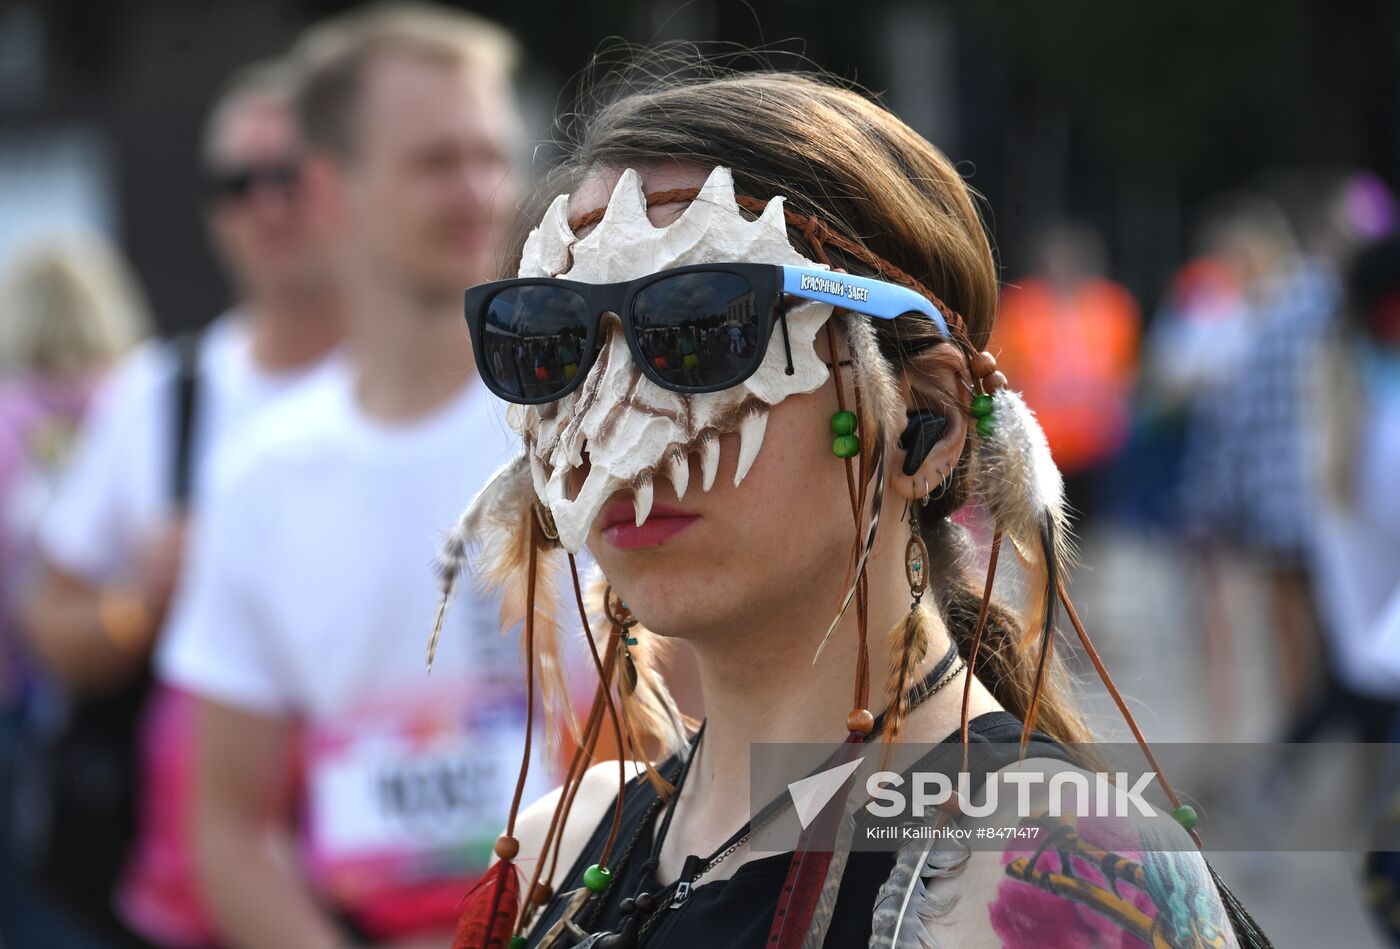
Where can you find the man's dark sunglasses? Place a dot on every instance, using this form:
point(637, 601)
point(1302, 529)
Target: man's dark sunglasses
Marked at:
point(690, 329)
point(237, 184)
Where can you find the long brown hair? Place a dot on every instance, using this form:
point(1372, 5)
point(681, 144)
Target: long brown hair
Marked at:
point(842, 158)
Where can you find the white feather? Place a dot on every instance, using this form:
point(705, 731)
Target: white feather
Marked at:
point(1018, 480)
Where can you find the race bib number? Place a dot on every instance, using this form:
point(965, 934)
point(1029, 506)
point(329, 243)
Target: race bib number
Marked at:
point(400, 795)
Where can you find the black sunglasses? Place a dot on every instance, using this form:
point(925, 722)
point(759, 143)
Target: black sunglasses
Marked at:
point(238, 183)
point(690, 329)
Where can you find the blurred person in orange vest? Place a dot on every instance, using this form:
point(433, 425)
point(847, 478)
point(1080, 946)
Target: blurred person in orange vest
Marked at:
point(113, 540)
point(343, 797)
point(1069, 336)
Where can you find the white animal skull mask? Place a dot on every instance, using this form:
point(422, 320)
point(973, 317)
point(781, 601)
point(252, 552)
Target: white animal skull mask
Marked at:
point(631, 428)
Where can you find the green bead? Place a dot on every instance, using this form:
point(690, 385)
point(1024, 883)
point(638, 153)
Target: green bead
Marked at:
point(597, 878)
point(844, 423)
point(1185, 815)
point(985, 426)
point(845, 446)
point(981, 406)
point(517, 942)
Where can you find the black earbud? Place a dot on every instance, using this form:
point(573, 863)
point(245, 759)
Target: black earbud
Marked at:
point(925, 429)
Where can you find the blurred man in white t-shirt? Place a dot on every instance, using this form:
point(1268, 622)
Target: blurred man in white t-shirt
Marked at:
point(304, 625)
point(113, 540)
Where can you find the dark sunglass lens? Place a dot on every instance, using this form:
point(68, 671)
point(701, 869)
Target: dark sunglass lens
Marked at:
point(532, 340)
point(233, 184)
point(237, 184)
point(699, 330)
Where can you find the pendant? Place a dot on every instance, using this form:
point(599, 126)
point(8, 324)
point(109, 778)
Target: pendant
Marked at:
point(692, 862)
point(566, 924)
point(634, 912)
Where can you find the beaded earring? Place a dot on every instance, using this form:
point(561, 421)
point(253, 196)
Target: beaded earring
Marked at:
point(846, 444)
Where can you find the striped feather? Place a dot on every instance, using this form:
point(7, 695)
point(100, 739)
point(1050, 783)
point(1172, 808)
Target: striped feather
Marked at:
point(905, 905)
point(908, 643)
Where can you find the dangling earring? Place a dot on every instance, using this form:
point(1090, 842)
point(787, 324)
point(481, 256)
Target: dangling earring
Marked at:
point(620, 616)
point(916, 568)
point(909, 640)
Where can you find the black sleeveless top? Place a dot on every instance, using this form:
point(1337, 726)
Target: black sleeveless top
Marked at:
point(737, 912)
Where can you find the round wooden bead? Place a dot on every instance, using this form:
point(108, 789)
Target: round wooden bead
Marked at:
point(597, 878)
point(995, 382)
point(541, 894)
point(844, 423)
point(845, 446)
point(860, 720)
point(507, 847)
point(1185, 815)
point(983, 364)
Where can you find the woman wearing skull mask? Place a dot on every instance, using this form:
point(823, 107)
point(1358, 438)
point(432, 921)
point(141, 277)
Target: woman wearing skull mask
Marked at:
point(817, 222)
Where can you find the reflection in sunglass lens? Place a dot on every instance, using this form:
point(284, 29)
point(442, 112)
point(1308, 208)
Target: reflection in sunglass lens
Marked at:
point(533, 340)
point(698, 329)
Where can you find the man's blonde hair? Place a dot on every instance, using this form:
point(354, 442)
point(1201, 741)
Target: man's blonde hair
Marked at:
point(332, 58)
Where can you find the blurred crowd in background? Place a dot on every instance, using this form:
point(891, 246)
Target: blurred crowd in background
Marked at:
point(219, 497)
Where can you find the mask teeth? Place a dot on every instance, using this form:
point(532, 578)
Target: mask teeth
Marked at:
point(750, 440)
point(551, 242)
point(709, 459)
point(718, 189)
point(537, 473)
point(627, 204)
point(573, 453)
point(716, 196)
point(678, 470)
point(641, 500)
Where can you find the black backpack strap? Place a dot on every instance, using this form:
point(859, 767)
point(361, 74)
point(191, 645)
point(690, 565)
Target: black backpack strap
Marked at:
point(187, 351)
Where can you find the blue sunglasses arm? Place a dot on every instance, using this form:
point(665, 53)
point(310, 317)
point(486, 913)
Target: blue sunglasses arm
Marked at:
point(865, 295)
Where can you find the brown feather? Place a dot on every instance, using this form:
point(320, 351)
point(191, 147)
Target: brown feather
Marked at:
point(908, 643)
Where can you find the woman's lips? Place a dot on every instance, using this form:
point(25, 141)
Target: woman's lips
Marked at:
point(620, 529)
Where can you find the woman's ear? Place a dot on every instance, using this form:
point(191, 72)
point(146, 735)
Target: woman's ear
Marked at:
point(935, 433)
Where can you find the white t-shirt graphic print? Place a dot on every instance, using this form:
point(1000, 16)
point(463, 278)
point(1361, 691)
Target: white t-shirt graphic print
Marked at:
point(311, 596)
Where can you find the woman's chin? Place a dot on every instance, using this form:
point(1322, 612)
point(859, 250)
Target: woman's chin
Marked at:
point(665, 598)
